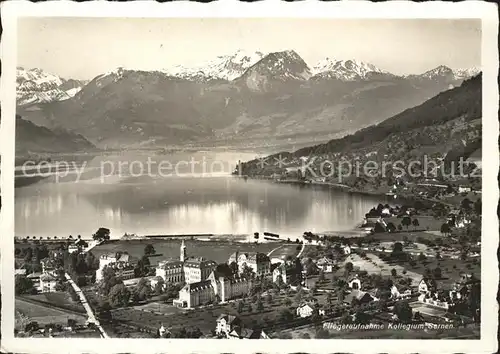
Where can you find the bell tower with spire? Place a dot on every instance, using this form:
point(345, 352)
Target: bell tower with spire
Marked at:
point(183, 251)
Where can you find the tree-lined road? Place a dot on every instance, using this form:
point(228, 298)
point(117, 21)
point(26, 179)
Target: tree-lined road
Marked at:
point(86, 306)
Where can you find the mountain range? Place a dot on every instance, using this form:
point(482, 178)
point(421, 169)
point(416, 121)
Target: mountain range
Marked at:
point(38, 86)
point(445, 128)
point(33, 139)
point(232, 99)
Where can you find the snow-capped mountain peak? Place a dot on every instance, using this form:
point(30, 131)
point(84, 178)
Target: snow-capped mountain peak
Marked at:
point(345, 70)
point(441, 70)
point(461, 73)
point(37, 86)
point(282, 65)
point(223, 67)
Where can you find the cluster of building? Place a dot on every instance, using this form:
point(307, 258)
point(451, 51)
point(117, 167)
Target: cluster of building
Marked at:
point(445, 299)
point(231, 327)
point(119, 262)
point(204, 283)
point(210, 285)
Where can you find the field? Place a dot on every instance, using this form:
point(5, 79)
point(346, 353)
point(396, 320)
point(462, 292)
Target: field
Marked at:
point(285, 250)
point(27, 311)
point(426, 223)
point(218, 251)
point(451, 269)
point(377, 266)
point(151, 316)
point(410, 235)
point(57, 299)
point(427, 310)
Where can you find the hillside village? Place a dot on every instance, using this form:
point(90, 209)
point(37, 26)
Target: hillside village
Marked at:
point(410, 268)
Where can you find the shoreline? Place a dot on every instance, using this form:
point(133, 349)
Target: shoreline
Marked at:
point(350, 190)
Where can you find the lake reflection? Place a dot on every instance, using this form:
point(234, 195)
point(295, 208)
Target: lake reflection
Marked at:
point(183, 205)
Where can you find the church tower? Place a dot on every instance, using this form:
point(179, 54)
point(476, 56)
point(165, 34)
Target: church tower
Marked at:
point(183, 251)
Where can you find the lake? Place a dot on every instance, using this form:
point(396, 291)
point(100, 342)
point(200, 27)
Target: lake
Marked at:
point(178, 193)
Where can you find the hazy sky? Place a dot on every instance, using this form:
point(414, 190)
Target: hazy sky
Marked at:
point(83, 48)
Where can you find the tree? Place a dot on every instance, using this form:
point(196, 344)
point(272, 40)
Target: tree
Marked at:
point(390, 227)
point(31, 327)
point(149, 249)
point(160, 284)
point(340, 296)
point(108, 280)
point(142, 291)
point(321, 275)
point(406, 221)
point(91, 261)
point(393, 272)
point(102, 234)
point(71, 322)
point(234, 267)
point(23, 285)
point(361, 317)
point(248, 272)
point(299, 295)
point(400, 227)
point(285, 315)
point(119, 296)
point(287, 302)
point(437, 273)
point(322, 333)
point(427, 273)
point(241, 306)
point(403, 310)
point(28, 255)
point(415, 223)
point(81, 280)
point(349, 267)
point(104, 311)
point(445, 229)
point(397, 247)
point(142, 268)
point(466, 204)
point(329, 298)
point(260, 305)
point(478, 206)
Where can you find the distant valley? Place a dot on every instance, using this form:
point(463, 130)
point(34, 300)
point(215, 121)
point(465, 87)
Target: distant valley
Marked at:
point(237, 100)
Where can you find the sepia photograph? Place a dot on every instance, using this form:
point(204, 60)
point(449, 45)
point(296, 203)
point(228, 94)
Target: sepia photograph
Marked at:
point(240, 177)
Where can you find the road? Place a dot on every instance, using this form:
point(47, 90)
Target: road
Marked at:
point(86, 306)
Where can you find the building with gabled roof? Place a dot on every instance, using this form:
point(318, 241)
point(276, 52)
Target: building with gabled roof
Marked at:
point(247, 333)
point(427, 285)
point(49, 266)
point(287, 272)
point(48, 283)
point(257, 261)
point(185, 269)
point(354, 283)
point(225, 324)
point(361, 296)
point(326, 264)
point(217, 288)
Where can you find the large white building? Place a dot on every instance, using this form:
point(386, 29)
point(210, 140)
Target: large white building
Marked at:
point(186, 269)
point(217, 288)
point(258, 262)
point(119, 262)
